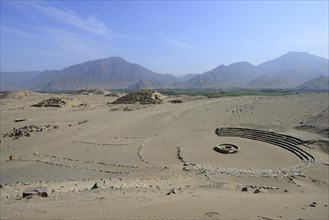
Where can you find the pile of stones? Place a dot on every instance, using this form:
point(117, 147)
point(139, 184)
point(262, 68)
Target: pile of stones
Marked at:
point(26, 131)
point(59, 102)
point(144, 96)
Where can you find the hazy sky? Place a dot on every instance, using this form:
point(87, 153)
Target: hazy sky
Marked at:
point(175, 37)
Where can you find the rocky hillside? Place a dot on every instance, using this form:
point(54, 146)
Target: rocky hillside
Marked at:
point(319, 83)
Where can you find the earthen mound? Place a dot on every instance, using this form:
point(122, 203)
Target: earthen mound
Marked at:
point(144, 96)
point(91, 91)
point(19, 94)
point(60, 102)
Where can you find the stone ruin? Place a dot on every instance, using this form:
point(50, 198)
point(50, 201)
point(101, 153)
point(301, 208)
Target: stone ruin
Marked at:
point(284, 141)
point(59, 102)
point(226, 148)
point(144, 96)
point(91, 91)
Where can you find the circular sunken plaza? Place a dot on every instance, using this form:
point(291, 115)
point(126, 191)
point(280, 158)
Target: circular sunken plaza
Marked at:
point(242, 149)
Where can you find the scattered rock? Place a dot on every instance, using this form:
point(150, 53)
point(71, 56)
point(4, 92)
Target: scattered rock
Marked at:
point(41, 191)
point(82, 122)
point(260, 190)
point(60, 102)
point(186, 168)
point(172, 191)
point(176, 101)
point(313, 204)
point(98, 186)
point(245, 189)
point(95, 186)
point(20, 119)
point(27, 131)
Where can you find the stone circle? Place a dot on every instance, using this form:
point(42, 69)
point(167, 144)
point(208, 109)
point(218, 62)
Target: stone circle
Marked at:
point(226, 148)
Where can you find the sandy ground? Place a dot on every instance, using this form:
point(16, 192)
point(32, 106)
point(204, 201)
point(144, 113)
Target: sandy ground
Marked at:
point(133, 153)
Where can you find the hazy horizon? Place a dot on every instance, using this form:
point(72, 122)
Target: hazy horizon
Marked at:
point(165, 37)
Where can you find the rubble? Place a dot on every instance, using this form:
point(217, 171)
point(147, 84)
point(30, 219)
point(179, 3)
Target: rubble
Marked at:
point(172, 191)
point(60, 102)
point(41, 191)
point(26, 131)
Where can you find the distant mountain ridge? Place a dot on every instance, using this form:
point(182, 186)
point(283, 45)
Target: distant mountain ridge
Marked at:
point(288, 71)
point(272, 82)
point(236, 74)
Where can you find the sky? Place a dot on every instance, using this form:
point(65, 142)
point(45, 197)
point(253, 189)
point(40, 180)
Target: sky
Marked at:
point(176, 37)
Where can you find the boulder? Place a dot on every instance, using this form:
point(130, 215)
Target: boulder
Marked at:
point(244, 189)
point(40, 191)
point(172, 191)
point(260, 190)
point(98, 186)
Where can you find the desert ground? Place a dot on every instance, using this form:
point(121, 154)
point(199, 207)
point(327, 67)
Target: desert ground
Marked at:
point(100, 160)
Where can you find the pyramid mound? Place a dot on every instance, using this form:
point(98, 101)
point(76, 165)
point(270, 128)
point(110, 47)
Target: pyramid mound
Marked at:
point(144, 96)
point(19, 94)
point(59, 102)
point(91, 91)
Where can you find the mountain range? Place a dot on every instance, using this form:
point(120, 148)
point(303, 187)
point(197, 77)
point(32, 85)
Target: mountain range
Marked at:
point(291, 70)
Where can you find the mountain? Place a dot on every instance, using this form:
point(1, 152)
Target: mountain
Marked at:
point(187, 77)
point(146, 84)
point(113, 72)
point(223, 76)
point(273, 82)
point(300, 66)
point(289, 70)
point(16, 80)
point(4, 87)
point(319, 83)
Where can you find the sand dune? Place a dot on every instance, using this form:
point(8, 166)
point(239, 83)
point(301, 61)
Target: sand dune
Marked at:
point(158, 162)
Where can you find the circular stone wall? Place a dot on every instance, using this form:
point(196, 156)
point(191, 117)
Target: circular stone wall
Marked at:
point(226, 148)
point(252, 154)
